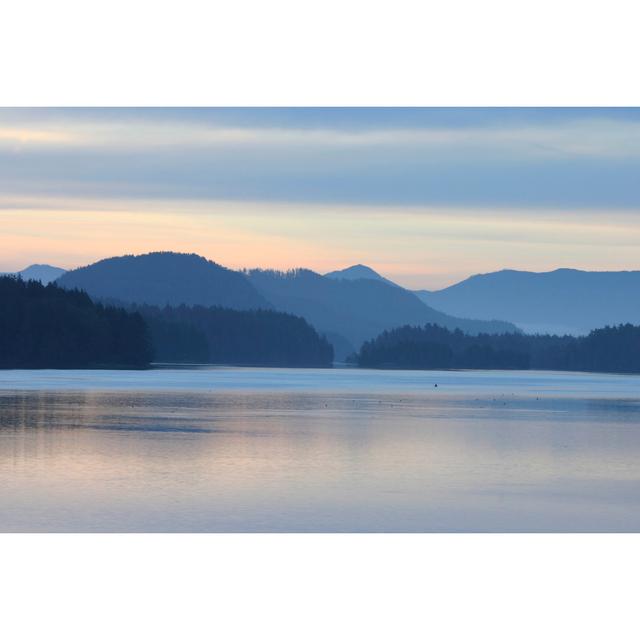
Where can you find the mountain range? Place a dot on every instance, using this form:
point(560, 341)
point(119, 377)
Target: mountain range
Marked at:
point(355, 304)
point(347, 310)
point(561, 301)
point(355, 309)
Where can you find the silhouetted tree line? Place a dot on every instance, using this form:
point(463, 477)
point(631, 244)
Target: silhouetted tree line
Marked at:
point(611, 349)
point(49, 327)
point(225, 336)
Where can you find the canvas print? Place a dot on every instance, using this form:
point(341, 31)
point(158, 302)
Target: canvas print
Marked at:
point(319, 320)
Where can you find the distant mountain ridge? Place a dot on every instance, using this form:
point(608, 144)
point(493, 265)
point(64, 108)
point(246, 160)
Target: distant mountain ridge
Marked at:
point(563, 300)
point(165, 278)
point(356, 309)
point(358, 272)
point(44, 273)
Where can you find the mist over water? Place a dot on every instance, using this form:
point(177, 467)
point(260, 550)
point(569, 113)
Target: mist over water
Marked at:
point(228, 449)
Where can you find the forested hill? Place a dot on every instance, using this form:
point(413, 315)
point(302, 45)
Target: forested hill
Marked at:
point(49, 327)
point(163, 278)
point(611, 349)
point(225, 336)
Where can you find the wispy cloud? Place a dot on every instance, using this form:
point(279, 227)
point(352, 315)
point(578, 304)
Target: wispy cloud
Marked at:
point(411, 191)
point(594, 137)
point(21, 136)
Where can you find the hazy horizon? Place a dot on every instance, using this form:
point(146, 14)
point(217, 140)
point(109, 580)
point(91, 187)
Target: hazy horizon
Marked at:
point(426, 197)
point(399, 281)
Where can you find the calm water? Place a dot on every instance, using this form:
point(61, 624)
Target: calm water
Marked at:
point(226, 449)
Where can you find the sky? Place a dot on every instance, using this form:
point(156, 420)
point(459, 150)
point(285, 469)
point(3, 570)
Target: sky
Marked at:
point(427, 196)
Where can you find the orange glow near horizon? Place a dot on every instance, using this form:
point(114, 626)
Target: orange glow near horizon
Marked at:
point(419, 248)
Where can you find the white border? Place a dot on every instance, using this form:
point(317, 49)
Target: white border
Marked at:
point(313, 586)
point(330, 53)
point(335, 52)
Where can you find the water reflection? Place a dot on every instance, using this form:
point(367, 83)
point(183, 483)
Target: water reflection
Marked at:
point(326, 460)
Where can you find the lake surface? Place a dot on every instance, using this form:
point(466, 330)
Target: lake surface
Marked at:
point(228, 449)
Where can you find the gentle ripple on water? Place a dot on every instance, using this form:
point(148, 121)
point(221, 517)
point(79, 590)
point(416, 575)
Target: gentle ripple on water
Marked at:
point(230, 449)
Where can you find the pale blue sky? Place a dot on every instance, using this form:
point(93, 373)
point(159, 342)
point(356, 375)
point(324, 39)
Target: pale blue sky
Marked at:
point(435, 194)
